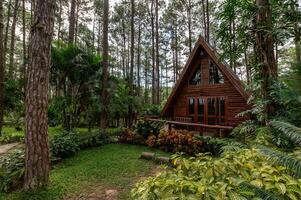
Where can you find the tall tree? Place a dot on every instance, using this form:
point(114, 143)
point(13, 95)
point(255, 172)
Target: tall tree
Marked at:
point(72, 22)
point(156, 98)
point(131, 78)
point(12, 40)
point(105, 74)
point(7, 29)
point(23, 68)
point(265, 53)
point(37, 158)
point(1, 65)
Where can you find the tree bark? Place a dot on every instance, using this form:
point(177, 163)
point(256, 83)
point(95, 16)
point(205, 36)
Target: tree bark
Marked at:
point(1, 66)
point(138, 59)
point(59, 20)
point(189, 25)
point(265, 54)
point(105, 75)
point(23, 68)
point(157, 66)
point(130, 114)
point(11, 69)
point(37, 159)
point(6, 30)
point(72, 22)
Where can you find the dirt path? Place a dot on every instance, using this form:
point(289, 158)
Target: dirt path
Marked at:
point(6, 147)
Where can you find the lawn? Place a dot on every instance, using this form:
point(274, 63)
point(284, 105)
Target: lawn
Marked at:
point(95, 170)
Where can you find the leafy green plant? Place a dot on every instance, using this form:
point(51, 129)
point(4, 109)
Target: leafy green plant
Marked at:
point(221, 178)
point(218, 146)
point(130, 137)
point(146, 128)
point(292, 163)
point(291, 131)
point(94, 139)
point(11, 137)
point(179, 141)
point(11, 169)
point(64, 144)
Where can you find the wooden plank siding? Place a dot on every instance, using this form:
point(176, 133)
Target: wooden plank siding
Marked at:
point(232, 89)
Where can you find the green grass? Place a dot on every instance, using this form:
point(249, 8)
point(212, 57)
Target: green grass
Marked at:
point(10, 132)
point(112, 166)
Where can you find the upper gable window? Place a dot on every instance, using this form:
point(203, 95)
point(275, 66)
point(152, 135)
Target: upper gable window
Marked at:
point(215, 76)
point(196, 78)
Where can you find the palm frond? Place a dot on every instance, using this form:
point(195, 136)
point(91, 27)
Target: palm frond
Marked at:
point(217, 145)
point(291, 163)
point(258, 192)
point(291, 131)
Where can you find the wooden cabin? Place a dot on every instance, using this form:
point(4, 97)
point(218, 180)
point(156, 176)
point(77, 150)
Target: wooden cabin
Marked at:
point(207, 92)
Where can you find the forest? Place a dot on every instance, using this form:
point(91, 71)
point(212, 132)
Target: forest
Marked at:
point(150, 99)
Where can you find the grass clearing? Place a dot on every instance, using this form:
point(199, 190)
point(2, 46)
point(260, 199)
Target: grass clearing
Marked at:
point(112, 166)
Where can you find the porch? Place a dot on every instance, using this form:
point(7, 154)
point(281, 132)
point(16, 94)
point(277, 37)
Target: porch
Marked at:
point(186, 123)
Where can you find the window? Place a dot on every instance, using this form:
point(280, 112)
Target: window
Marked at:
point(201, 110)
point(215, 76)
point(216, 110)
point(196, 78)
point(191, 106)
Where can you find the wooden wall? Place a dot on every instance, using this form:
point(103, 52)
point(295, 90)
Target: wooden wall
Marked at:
point(234, 101)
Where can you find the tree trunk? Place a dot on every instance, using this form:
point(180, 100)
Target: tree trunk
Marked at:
point(60, 20)
point(189, 25)
point(265, 54)
point(297, 44)
point(6, 30)
point(37, 159)
point(11, 69)
point(105, 75)
point(146, 79)
point(76, 22)
point(204, 19)
point(153, 53)
point(1, 65)
point(138, 59)
point(130, 114)
point(157, 69)
point(123, 49)
point(208, 22)
point(23, 68)
point(72, 22)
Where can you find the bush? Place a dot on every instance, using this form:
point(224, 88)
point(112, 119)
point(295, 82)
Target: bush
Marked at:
point(179, 141)
point(94, 139)
point(6, 138)
point(243, 174)
point(64, 144)
point(130, 137)
point(11, 170)
point(146, 128)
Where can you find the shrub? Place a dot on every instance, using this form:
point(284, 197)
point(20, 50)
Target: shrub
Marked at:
point(146, 128)
point(11, 137)
point(179, 141)
point(64, 144)
point(130, 137)
point(94, 139)
point(11, 170)
point(151, 141)
point(243, 174)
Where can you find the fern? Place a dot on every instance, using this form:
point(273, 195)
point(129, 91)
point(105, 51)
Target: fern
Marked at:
point(291, 163)
point(291, 131)
point(218, 146)
point(258, 192)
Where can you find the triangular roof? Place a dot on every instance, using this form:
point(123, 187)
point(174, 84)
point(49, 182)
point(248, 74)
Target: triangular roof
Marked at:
point(227, 71)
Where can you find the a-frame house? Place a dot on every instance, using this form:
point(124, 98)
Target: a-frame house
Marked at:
point(207, 92)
